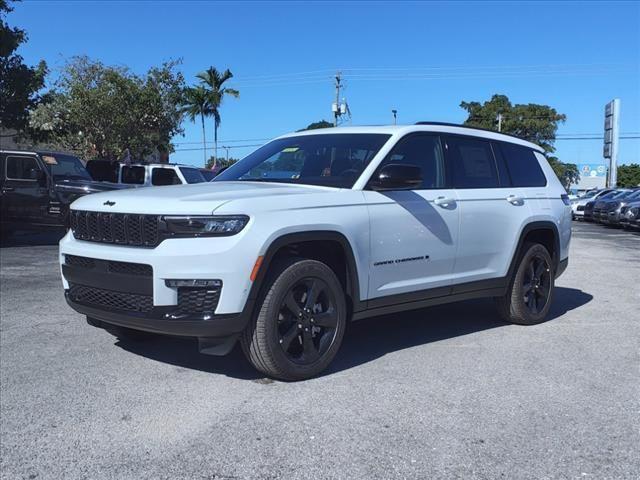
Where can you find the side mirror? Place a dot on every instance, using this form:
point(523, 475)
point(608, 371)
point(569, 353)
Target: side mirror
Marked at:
point(398, 176)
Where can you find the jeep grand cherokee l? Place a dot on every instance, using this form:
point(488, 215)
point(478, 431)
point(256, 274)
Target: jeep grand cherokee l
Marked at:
point(318, 228)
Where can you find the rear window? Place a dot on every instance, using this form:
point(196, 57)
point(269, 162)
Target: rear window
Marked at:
point(473, 163)
point(523, 166)
point(133, 175)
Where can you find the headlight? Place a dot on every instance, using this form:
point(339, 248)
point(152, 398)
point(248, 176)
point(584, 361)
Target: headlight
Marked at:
point(210, 226)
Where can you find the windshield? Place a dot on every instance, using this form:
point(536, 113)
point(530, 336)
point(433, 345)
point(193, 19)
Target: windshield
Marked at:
point(65, 167)
point(192, 175)
point(330, 160)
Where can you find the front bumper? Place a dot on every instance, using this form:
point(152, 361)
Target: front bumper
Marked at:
point(216, 326)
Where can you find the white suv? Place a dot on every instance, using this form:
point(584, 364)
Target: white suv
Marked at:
point(318, 228)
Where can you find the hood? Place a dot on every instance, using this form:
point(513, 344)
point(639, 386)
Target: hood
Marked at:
point(86, 186)
point(194, 199)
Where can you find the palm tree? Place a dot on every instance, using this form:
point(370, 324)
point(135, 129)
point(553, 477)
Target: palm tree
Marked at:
point(212, 81)
point(197, 103)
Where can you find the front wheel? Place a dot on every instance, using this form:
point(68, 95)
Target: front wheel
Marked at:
point(530, 292)
point(299, 325)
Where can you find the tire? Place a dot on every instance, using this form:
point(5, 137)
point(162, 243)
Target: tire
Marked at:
point(299, 323)
point(531, 285)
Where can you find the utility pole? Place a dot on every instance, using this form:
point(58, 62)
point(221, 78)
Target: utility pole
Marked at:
point(395, 116)
point(499, 122)
point(336, 106)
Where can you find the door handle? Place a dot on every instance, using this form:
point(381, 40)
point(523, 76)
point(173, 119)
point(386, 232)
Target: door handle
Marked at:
point(514, 200)
point(7, 189)
point(444, 202)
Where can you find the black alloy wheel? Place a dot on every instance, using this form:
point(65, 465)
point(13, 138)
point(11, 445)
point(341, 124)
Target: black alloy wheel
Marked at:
point(300, 320)
point(537, 284)
point(307, 321)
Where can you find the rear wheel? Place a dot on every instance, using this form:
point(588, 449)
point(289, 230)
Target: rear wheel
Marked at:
point(299, 326)
point(530, 292)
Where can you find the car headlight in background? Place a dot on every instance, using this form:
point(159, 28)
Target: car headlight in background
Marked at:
point(205, 226)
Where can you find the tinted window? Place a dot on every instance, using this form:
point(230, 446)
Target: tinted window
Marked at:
point(133, 175)
point(423, 151)
point(332, 160)
point(19, 168)
point(472, 163)
point(192, 175)
point(523, 166)
point(164, 176)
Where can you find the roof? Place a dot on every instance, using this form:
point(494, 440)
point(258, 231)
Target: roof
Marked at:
point(400, 130)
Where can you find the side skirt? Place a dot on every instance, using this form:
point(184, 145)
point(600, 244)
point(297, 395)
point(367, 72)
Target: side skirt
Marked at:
point(404, 302)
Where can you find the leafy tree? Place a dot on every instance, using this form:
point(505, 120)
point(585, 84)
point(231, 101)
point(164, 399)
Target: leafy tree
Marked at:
point(629, 175)
point(212, 80)
point(196, 104)
point(317, 125)
point(532, 122)
point(102, 111)
point(567, 173)
point(19, 84)
point(220, 162)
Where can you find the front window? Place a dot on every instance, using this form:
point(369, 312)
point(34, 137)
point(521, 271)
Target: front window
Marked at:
point(65, 167)
point(330, 160)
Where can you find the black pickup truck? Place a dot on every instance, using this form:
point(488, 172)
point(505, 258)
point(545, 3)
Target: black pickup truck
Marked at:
point(38, 187)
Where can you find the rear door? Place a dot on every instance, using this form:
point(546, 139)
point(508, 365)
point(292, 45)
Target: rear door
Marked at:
point(24, 198)
point(491, 212)
point(414, 233)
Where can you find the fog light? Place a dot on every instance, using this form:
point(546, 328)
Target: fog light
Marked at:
point(193, 283)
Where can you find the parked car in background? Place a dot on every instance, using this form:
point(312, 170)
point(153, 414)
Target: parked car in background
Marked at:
point(37, 188)
point(145, 175)
point(630, 219)
point(630, 215)
point(601, 206)
point(609, 213)
point(587, 213)
point(578, 205)
point(158, 174)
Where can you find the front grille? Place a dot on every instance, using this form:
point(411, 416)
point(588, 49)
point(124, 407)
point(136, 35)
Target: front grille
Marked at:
point(197, 300)
point(125, 268)
point(110, 299)
point(581, 208)
point(118, 228)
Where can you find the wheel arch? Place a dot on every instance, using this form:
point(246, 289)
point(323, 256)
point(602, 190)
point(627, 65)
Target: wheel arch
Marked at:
point(544, 232)
point(319, 245)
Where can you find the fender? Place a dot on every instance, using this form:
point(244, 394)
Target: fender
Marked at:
point(353, 283)
point(530, 227)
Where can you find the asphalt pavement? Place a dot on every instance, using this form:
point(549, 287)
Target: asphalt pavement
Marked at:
point(444, 392)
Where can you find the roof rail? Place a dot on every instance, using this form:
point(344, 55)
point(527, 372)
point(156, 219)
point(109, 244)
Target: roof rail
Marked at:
point(446, 124)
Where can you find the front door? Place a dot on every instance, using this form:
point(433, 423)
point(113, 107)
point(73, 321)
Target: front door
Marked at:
point(414, 233)
point(24, 199)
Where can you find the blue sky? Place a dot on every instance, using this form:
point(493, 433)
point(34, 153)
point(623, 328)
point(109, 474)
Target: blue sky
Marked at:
point(419, 58)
